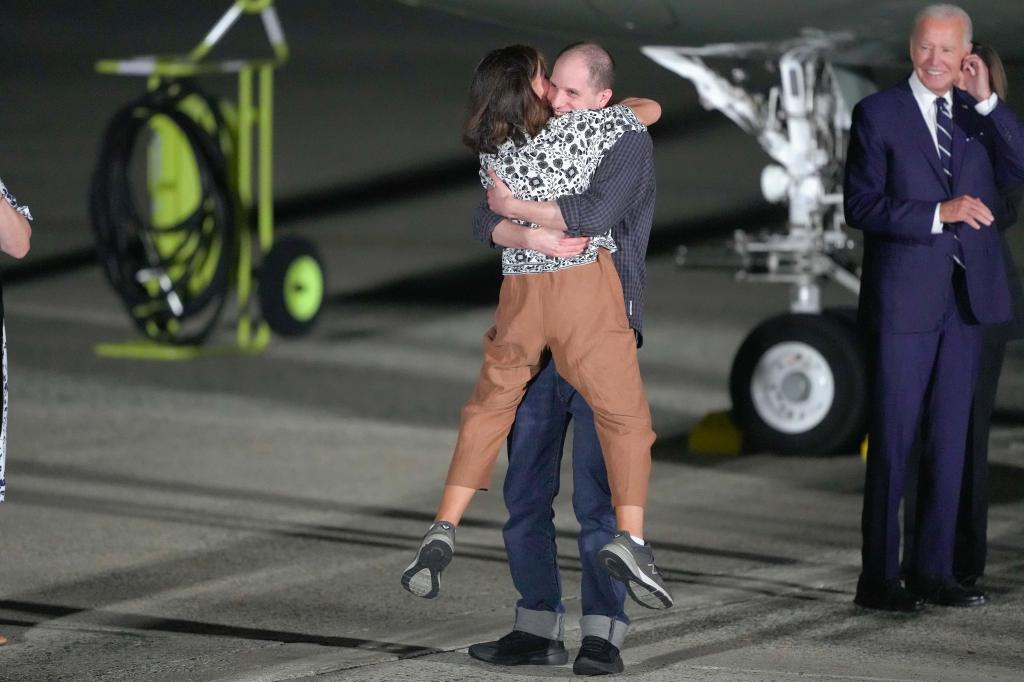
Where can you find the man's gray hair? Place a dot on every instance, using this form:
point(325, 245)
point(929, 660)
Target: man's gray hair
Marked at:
point(599, 62)
point(946, 11)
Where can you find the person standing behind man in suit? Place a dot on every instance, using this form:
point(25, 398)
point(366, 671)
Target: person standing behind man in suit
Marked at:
point(970, 548)
point(921, 178)
point(971, 544)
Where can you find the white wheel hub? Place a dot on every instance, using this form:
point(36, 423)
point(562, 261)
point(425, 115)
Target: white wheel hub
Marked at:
point(792, 387)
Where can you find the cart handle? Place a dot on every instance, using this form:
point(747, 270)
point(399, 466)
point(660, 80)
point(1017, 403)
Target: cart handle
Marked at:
point(271, 24)
point(192, 64)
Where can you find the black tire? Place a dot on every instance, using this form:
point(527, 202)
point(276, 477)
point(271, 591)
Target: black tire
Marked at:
point(845, 313)
point(291, 287)
point(787, 411)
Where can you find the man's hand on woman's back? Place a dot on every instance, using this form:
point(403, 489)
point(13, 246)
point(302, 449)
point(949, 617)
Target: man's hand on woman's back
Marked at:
point(555, 243)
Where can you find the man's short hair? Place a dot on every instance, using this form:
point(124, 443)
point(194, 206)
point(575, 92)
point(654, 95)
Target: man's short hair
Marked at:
point(599, 62)
point(945, 11)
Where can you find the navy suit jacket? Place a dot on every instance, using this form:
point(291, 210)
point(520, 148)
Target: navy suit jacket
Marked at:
point(894, 180)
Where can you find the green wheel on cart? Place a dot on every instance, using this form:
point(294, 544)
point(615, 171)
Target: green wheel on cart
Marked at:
point(291, 287)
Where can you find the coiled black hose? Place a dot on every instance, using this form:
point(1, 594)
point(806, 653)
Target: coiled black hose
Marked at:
point(173, 280)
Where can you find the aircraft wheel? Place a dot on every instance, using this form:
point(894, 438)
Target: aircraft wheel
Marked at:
point(798, 385)
point(291, 286)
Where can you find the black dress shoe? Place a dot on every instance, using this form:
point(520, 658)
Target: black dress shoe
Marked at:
point(889, 596)
point(521, 648)
point(968, 580)
point(597, 657)
point(947, 593)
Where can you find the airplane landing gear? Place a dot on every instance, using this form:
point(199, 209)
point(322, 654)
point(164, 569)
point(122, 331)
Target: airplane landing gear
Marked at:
point(798, 385)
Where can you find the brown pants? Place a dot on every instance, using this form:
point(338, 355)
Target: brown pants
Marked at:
point(579, 314)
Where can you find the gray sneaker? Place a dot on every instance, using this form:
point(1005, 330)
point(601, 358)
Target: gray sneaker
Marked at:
point(423, 577)
point(633, 564)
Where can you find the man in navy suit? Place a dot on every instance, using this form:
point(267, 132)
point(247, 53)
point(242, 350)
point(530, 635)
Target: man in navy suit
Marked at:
point(921, 175)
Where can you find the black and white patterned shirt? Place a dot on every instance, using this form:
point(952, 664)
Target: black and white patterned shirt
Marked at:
point(560, 161)
point(9, 198)
point(5, 195)
point(621, 195)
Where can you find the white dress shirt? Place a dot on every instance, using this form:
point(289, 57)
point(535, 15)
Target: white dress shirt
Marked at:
point(926, 102)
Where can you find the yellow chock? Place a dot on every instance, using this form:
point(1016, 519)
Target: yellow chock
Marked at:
point(864, 449)
point(715, 434)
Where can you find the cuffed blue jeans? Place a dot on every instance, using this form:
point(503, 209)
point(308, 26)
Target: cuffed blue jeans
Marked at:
point(535, 447)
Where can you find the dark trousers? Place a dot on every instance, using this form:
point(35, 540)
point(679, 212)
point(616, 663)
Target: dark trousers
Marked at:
point(970, 545)
point(535, 447)
point(921, 380)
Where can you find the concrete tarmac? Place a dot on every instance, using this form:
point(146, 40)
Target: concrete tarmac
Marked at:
point(248, 518)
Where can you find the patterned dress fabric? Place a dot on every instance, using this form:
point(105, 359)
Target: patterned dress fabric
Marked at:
point(9, 198)
point(23, 210)
point(3, 425)
point(559, 161)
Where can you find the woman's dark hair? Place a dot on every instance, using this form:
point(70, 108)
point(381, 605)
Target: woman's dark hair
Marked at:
point(502, 104)
point(996, 72)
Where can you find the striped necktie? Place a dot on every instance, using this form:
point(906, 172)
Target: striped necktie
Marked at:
point(944, 139)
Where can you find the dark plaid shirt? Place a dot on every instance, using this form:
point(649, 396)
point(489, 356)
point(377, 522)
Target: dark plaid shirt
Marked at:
point(621, 195)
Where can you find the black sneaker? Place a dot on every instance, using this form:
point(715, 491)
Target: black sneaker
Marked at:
point(597, 657)
point(423, 577)
point(633, 564)
point(521, 648)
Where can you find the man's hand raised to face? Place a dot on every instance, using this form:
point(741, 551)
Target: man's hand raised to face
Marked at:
point(974, 77)
point(965, 209)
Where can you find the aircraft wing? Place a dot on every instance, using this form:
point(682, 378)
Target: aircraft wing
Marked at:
point(882, 26)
